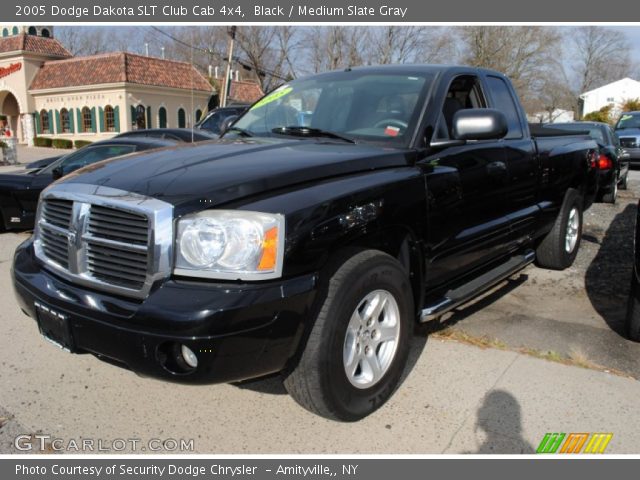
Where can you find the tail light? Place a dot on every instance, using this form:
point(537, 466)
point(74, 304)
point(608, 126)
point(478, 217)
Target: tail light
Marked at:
point(593, 159)
point(604, 162)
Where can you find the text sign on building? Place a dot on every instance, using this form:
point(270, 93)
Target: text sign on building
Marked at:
point(14, 67)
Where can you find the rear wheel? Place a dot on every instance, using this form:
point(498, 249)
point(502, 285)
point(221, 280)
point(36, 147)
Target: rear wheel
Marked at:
point(358, 347)
point(612, 195)
point(559, 248)
point(623, 181)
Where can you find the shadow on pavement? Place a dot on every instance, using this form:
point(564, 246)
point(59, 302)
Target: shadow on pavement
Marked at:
point(607, 278)
point(500, 419)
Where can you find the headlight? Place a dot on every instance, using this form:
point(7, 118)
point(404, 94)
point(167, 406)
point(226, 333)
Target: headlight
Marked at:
point(230, 245)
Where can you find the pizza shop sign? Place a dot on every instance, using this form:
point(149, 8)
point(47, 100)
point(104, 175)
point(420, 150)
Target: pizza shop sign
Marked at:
point(6, 71)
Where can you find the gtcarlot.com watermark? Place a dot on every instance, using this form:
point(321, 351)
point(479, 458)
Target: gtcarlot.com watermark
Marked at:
point(43, 443)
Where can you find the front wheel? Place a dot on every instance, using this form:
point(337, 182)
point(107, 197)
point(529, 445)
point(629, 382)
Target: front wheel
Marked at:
point(559, 248)
point(358, 347)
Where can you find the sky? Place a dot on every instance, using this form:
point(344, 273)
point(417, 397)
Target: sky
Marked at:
point(633, 34)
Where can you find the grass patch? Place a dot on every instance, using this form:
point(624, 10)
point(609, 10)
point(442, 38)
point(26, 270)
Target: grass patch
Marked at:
point(576, 358)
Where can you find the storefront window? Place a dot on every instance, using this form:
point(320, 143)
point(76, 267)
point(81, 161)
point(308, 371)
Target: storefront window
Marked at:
point(109, 119)
point(86, 119)
point(44, 122)
point(64, 121)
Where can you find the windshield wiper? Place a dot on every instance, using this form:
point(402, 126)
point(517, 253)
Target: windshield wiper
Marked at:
point(311, 132)
point(241, 131)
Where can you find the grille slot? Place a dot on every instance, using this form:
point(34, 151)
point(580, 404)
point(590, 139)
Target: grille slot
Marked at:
point(117, 266)
point(118, 225)
point(117, 263)
point(57, 212)
point(55, 247)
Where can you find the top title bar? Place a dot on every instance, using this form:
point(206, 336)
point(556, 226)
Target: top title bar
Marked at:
point(328, 11)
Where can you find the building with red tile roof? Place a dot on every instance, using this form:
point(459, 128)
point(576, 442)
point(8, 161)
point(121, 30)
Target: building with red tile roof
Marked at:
point(46, 91)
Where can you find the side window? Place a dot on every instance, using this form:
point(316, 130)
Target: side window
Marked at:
point(505, 103)
point(464, 92)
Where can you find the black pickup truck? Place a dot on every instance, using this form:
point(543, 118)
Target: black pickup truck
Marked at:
point(335, 213)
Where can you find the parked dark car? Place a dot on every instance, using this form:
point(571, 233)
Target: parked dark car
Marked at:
point(613, 159)
point(215, 119)
point(628, 130)
point(19, 191)
point(188, 135)
point(307, 249)
point(633, 307)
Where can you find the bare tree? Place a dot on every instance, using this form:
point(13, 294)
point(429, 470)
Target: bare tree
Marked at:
point(408, 44)
point(330, 48)
point(81, 41)
point(527, 54)
point(601, 55)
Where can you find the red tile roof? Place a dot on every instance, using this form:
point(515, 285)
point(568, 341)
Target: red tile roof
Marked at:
point(31, 43)
point(119, 67)
point(245, 92)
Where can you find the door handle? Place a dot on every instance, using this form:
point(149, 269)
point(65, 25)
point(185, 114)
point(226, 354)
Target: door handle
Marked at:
point(497, 169)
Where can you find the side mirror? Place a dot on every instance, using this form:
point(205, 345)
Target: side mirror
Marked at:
point(57, 173)
point(479, 124)
point(227, 123)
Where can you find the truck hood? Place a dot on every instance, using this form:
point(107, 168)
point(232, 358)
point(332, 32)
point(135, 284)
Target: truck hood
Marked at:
point(215, 173)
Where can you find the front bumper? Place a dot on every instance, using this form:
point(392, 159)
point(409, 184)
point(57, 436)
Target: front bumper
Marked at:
point(634, 155)
point(238, 331)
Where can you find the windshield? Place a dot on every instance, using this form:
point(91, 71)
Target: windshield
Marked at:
point(628, 120)
point(363, 106)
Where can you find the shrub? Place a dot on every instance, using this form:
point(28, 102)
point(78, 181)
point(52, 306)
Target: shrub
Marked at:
point(42, 141)
point(3, 145)
point(602, 115)
point(62, 143)
point(81, 143)
point(630, 105)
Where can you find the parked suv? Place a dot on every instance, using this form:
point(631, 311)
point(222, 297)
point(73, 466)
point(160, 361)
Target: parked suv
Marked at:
point(628, 130)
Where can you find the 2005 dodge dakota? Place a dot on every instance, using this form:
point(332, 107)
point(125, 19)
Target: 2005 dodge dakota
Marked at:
point(335, 213)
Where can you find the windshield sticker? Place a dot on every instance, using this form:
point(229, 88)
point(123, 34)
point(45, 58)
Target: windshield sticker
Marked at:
point(273, 96)
point(392, 131)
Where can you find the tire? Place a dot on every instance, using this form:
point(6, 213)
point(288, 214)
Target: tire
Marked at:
point(341, 339)
point(633, 312)
point(612, 195)
point(624, 181)
point(559, 248)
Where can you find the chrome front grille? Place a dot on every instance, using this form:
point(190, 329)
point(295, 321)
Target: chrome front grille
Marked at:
point(629, 142)
point(105, 238)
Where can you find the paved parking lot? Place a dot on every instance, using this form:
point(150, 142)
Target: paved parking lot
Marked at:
point(456, 398)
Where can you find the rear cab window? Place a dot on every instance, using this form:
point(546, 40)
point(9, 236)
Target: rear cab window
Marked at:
point(503, 100)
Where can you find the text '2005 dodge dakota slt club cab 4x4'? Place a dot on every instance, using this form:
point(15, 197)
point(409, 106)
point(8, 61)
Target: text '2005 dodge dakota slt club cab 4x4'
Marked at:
point(335, 213)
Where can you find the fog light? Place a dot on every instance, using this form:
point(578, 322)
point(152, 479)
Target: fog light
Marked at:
point(189, 357)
